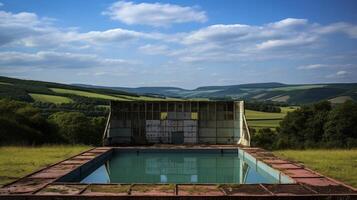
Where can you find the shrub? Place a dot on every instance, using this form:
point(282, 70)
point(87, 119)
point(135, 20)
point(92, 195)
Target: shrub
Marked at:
point(76, 128)
point(265, 138)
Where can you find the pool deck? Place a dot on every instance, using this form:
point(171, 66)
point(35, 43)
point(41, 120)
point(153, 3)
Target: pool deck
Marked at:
point(46, 183)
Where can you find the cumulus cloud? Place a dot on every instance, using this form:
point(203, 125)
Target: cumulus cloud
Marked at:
point(319, 66)
point(220, 33)
point(154, 49)
point(340, 27)
point(19, 26)
point(30, 30)
point(116, 35)
point(154, 14)
point(276, 34)
point(289, 22)
point(287, 38)
point(27, 29)
point(339, 74)
point(51, 59)
point(313, 66)
point(299, 41)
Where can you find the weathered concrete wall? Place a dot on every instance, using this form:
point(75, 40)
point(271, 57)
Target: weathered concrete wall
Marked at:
point(188, 122)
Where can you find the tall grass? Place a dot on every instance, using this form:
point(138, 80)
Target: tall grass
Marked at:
point(18, 161)
point(336, 163)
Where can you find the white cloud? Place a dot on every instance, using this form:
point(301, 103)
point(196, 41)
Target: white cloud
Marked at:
point(50, 59)
point(289, 22)
point(216, 44)
point(284, 39)
point(154, 49)
point(1, 4)
point(220, 33)
point(29, 30)
point(319, 66)
point(18, 26)
point(312, 66)
point(340, 27)
point(116, 35)
point(219, 42)
point(154, 14)
point(341, 73)
point(299, 41)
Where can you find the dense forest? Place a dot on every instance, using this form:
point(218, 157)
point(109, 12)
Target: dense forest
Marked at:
point(320, 125)
point(23, 124)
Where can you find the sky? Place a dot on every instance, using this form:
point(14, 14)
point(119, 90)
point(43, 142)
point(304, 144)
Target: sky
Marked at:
point(179, 43)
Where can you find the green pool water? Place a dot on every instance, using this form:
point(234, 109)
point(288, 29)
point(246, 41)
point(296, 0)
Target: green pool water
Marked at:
point(179, 167)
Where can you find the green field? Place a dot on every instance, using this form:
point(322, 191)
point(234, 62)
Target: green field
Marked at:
point(16, 162)
point(50, 98)
point(253, 115)
point(140, 98)
point(338, 164)
point(264, 123)
point(340, 99)
point(87, 94)
point(298, 87)
point(4, 83)
point(109, 97)
point(258, 120)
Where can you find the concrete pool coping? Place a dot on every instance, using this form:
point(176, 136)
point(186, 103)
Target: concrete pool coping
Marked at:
point(46, 183)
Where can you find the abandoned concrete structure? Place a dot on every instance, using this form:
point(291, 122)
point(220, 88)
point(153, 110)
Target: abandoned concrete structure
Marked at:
point(176, 122)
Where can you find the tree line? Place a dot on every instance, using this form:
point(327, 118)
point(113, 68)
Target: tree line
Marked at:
point(320, 125)
point(263, 106)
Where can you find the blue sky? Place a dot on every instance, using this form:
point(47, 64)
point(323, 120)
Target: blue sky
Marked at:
point(179, 43)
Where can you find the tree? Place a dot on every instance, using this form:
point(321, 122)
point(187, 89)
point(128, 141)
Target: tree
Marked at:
point(291, 133)
point(76, 128)
point(315, 124)
point(320, 125)
point(98, 130)
point(22, 124)
point(341, 126)
point(265, 138)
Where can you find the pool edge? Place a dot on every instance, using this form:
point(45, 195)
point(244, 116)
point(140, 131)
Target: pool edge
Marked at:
point(307, 182)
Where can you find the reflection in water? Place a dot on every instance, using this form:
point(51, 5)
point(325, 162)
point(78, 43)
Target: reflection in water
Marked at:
point(177, 168)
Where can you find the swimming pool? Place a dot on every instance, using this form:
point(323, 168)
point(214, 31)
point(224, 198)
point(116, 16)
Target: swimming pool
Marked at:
point(183, 166)
point(71, 177)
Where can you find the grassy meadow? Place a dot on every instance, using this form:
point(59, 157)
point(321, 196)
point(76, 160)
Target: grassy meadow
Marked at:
point(338, 164)
point(258, 119)
point(50, 98)
point(86, 94)
point(18, 161)
point(298, 87)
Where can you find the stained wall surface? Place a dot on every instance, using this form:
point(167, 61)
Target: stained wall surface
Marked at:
point(174, 122)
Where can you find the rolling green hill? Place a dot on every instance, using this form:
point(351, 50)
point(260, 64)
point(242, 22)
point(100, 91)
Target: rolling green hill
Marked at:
point(50, 98)
point(275, 92)
point(47, 92)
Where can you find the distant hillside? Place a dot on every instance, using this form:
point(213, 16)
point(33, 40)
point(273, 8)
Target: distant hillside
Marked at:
point(164, 91)
point(32, 91)
point(275, 92)
point(56, 93)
